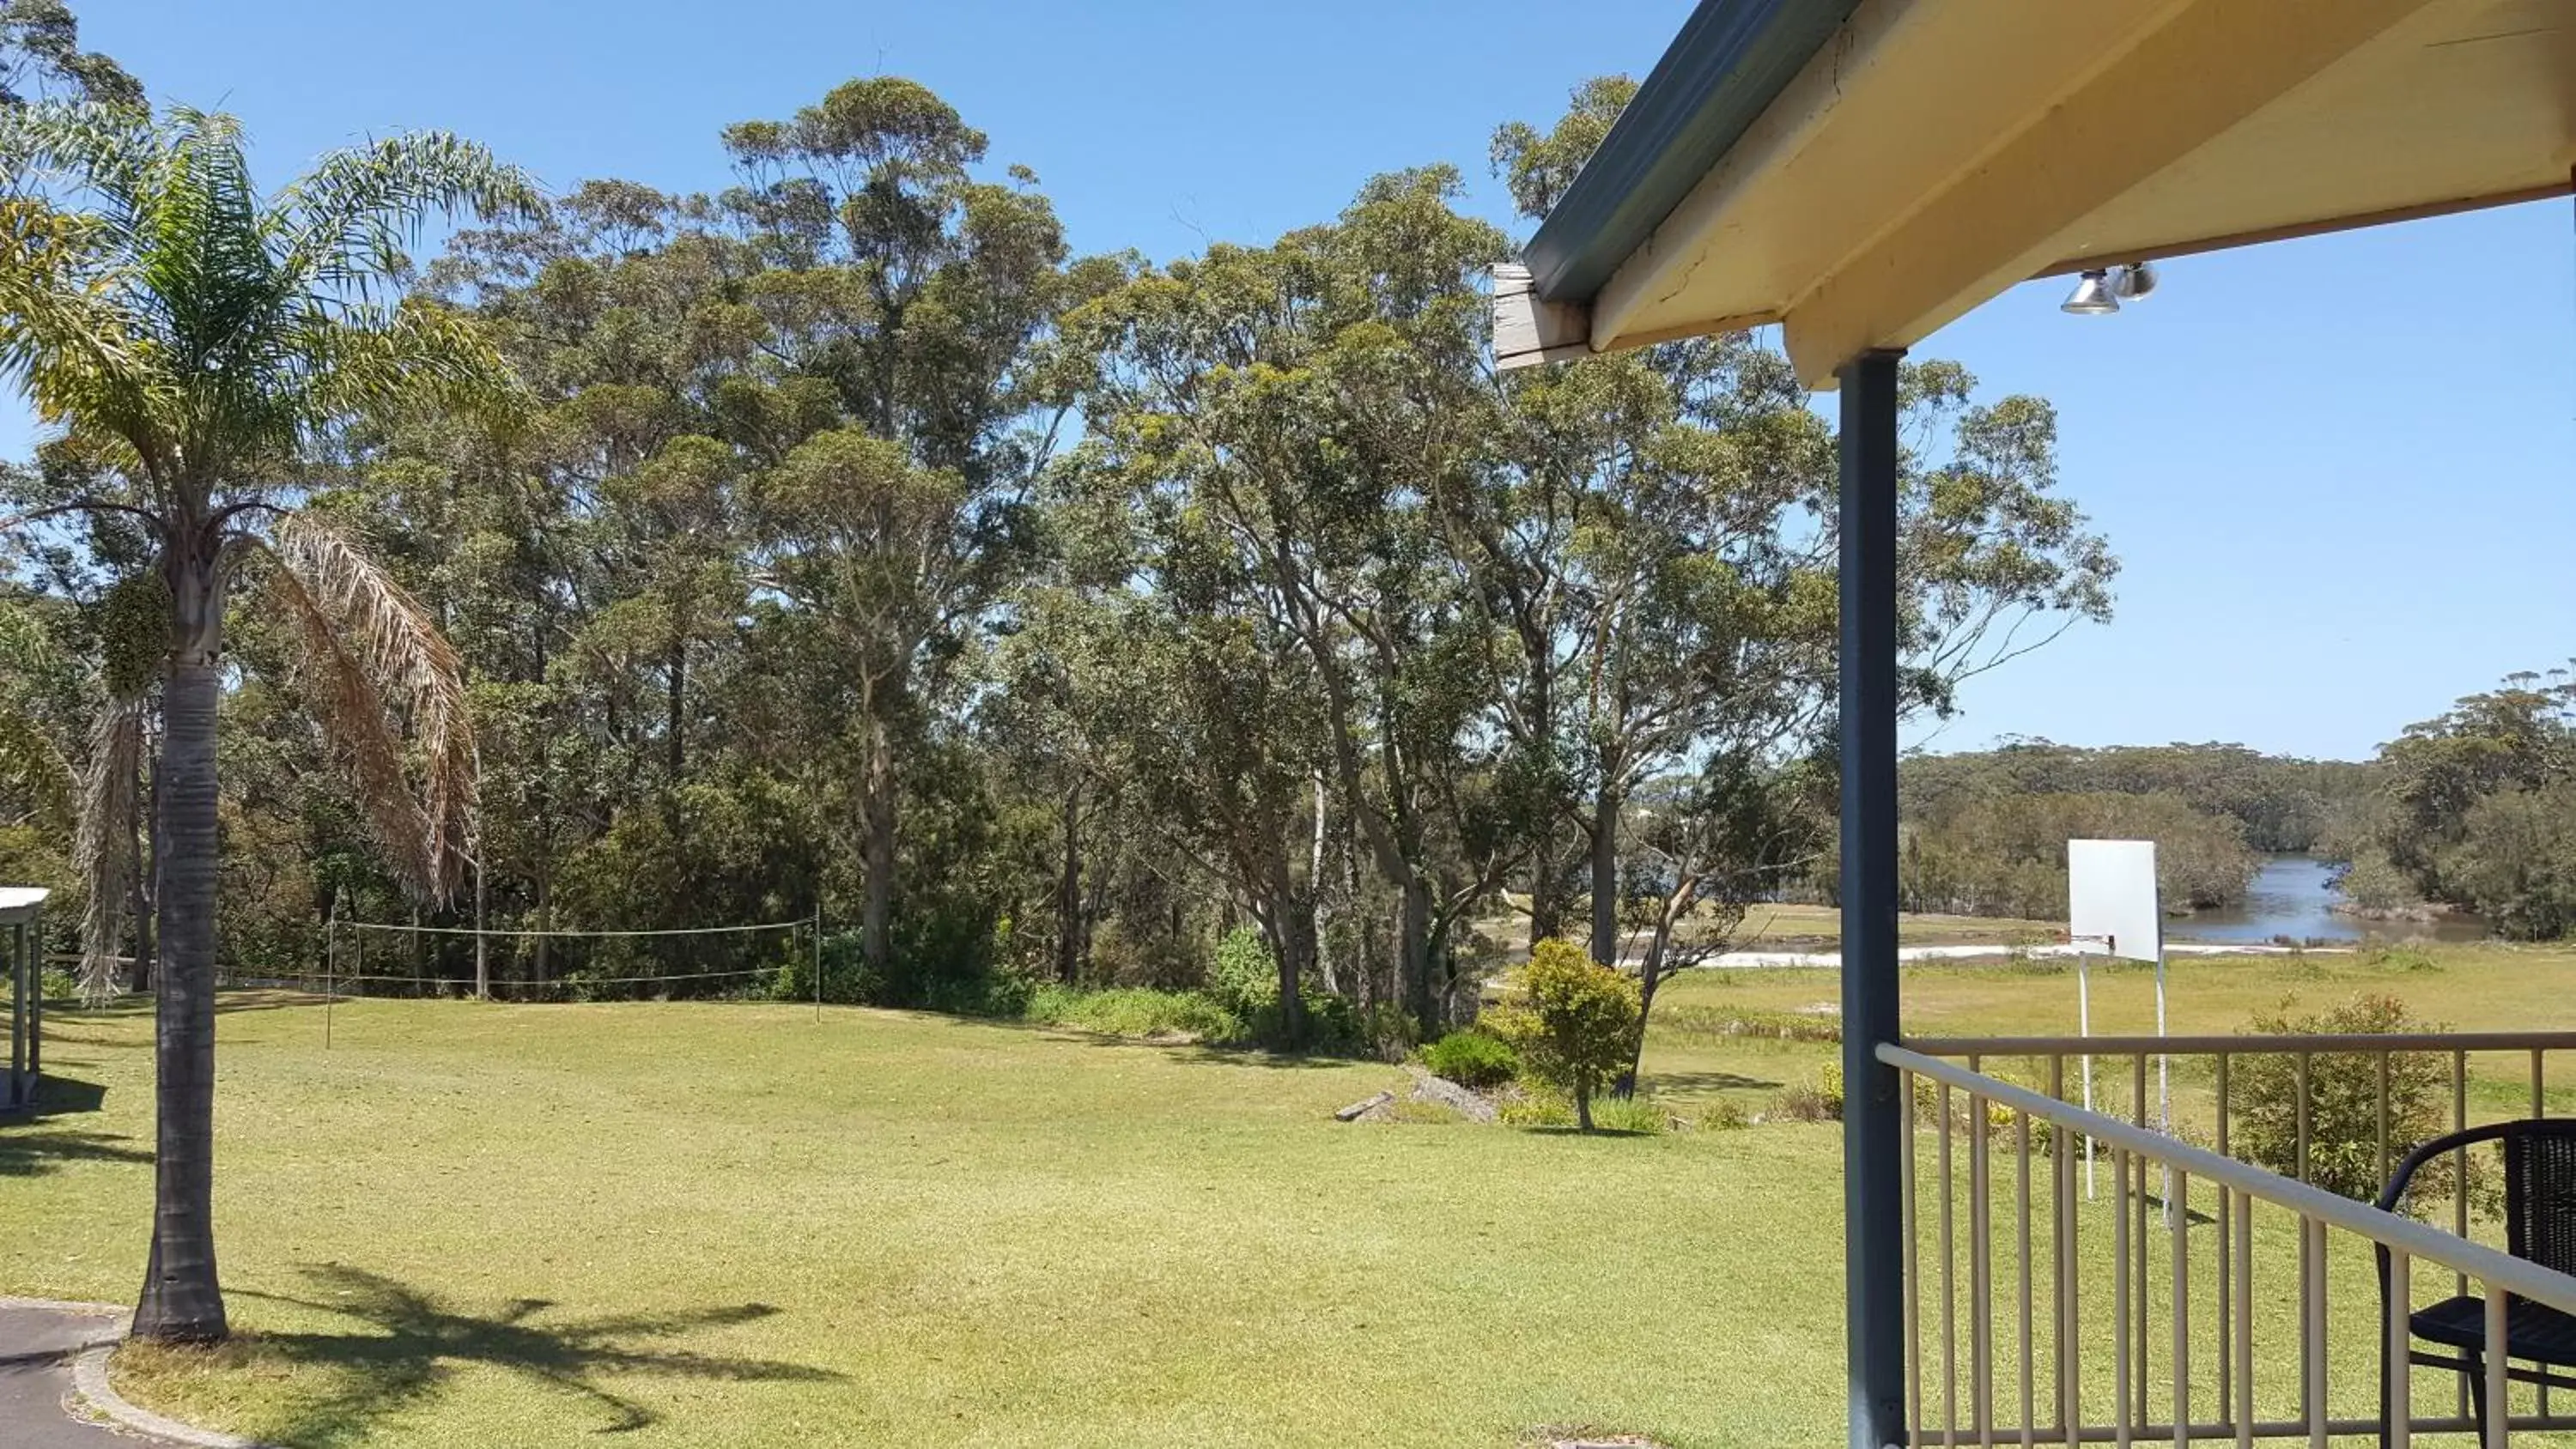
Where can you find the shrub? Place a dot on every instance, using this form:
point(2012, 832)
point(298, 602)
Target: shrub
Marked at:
point(1543, 1107)
point(2395, 956)
point(1724, 1115)
point(1472, 1059)
point(1573, 1022)
point(1244, 977)
point(1630, 1114)
point(1804, 1104)
point(1136, 1011)
point(2343, 1103)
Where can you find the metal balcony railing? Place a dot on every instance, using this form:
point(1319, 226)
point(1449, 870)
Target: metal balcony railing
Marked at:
point(2243, 1303)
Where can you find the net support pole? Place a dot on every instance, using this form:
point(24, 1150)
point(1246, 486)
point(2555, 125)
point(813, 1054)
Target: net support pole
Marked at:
point(818, 954)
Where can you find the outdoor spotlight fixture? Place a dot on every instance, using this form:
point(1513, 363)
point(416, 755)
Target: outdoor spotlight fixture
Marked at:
point(2093, 296)
point(2099, 293)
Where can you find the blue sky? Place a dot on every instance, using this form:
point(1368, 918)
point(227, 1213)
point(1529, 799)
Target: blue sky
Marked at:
point(2341, 473)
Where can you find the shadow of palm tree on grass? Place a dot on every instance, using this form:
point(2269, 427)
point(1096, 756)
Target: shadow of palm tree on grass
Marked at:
point(412, 1344)
point(31, 1147)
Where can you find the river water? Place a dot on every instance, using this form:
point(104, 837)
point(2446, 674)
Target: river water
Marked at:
point(2294, 896)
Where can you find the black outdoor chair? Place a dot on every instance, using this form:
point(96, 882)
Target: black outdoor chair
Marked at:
point(2539, 1224)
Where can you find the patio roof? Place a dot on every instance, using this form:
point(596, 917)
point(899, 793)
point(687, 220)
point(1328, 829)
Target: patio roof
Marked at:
point(1864, 173)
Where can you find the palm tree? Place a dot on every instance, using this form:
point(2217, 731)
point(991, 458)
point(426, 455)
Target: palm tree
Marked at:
point(198, 338)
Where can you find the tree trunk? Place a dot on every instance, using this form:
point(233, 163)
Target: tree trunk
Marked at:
point(876, 808)
point(1650, 975)
point(482, 956)
point(182, 1301)
point(1068, 898)
point(1583, 1109)
point(1414, 940)
point(1547, 906)
point(1605, 877)
point(676, 722)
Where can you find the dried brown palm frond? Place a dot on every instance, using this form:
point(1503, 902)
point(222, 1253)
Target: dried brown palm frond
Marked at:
point(377, 662)
point(103, 845)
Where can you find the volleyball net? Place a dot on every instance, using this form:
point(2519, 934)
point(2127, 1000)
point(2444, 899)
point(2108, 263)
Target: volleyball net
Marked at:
point(395, 959)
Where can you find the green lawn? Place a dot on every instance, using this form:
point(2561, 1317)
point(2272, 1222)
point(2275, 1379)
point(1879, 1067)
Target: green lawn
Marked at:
point(736, 1225)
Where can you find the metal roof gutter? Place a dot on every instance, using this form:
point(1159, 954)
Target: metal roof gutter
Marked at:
point(1730, 61)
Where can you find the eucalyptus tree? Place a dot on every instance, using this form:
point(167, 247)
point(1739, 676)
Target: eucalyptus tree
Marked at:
point(204, 338)
point(1657, 554)
point(40, 56)
point(1293, 409)
point(900, 297)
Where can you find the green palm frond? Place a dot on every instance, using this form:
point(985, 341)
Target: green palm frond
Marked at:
point(150, 292)
point(353, 220)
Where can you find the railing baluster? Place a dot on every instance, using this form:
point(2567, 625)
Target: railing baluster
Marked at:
point(2539, 1108)
point(1981, 1318)
point(1949, 1289)
point(2120, 1294)
point(2499, 1408)
point(2029, 1370)
point(2138, 1244)
point(2460, 1193)
point(2383, 1116)
point(2302, 1143)
point(2244, 1215)
point(2312, 1342)
point(2398, 1369)
point(2070, 1317)
point(1909, 1083)
point(2178, 1228)
point(2226, 1215)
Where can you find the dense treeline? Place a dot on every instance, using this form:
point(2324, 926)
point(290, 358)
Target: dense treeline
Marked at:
point(1986, 831)
point(2476, 810)
point(858, 549)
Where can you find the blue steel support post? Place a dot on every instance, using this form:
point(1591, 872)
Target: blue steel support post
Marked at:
point(1873, 1117)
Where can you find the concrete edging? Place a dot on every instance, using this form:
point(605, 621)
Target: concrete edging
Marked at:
point(91, 1388)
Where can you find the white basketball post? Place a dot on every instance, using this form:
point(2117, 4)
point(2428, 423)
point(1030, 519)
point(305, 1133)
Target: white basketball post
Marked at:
point(2111, 897)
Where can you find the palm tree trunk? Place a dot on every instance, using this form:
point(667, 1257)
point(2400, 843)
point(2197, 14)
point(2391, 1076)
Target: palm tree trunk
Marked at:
point(182, 1301)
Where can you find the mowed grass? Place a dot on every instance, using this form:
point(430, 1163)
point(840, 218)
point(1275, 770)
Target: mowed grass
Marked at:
point(2491, 987)
point(736, 1225)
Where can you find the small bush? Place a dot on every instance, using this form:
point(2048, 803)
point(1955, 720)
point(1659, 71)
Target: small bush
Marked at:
point(1137, 1011)
point(1244, 977)
point(1724, 1115)
point(2343, 1104)
point(2398, 956)
point(1630, 1114)
point(1829, 1089)
point(1542, 1107)
point(1803, 1103)
point(1573, 1022)
point(1472, 1059)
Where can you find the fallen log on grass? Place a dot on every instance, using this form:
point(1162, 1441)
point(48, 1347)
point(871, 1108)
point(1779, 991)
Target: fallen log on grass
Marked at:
point(1357, 1110)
